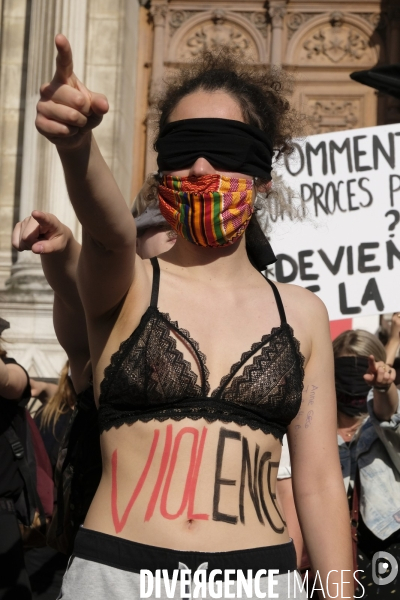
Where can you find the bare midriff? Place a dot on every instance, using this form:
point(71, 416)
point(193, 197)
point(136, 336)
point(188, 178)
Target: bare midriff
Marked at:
point(189, 485)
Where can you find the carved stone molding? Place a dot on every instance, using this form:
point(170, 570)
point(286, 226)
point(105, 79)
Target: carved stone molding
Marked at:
point(159, 13)
point(218, 17)
point(376, 20)
point(335, 47)
point(333, 114)
point(212, 29)
point(213, 35)
point(338, 43)
point(178, 18)
point(296, 20)
point(277, 14)
point(258, 19)
point(336, 18)
point(338, 38)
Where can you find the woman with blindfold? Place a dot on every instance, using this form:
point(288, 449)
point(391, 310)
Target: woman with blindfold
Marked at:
point(191, 423)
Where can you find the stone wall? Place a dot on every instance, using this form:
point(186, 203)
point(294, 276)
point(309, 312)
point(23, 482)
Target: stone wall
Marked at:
point(103, 36)
point(321, 43)
point(13, 53)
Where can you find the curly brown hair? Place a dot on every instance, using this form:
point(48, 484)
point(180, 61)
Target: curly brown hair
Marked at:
point(260, 90)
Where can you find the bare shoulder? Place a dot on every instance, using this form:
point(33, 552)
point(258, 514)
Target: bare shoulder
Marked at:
point(306, 314)
point(301, 300)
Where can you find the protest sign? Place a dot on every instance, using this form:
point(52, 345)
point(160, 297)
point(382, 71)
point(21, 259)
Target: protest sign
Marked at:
point(346, 249)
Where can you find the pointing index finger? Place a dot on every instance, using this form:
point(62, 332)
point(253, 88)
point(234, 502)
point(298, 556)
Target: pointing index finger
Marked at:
point(371, 364)
point(45, 221)
point(64, 62)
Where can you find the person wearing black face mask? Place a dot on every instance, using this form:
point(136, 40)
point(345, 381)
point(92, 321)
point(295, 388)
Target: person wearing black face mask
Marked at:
point(351, 387)
point(368, 426)
point(368, 414)
point(360, 363)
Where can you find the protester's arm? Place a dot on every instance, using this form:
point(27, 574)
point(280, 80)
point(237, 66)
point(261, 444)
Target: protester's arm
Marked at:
point(13, 381)
point(393, 343)
point(318, 489)
point(44, 234)
point(67, 113)
point(385, 400)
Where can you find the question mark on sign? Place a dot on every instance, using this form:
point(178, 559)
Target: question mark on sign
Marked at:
point(396, 216)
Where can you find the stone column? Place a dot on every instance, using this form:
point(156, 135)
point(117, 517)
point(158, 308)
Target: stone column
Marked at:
point(158, 11)
point(14, 15)
point(27, 301)
point(42, 180)
point(27, 272)
point(277, 11)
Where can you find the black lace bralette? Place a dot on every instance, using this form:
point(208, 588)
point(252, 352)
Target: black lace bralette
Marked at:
point(148, 378)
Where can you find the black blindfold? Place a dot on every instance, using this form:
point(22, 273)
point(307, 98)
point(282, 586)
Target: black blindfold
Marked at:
point(229, 145)
point(349, 375)
point(351, 387)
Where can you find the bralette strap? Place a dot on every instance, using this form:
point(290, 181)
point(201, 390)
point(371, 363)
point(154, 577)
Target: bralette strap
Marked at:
point(156, 281)
point(278, 301)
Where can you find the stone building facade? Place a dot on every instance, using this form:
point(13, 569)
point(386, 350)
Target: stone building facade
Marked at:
point(124, 48)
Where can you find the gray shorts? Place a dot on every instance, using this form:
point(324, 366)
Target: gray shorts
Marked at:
point(105, 567)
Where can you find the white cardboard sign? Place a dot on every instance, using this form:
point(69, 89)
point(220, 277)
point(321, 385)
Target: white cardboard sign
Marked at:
point(347, 248)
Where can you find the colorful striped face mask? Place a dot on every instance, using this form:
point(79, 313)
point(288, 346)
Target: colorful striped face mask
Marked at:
point(211, 210)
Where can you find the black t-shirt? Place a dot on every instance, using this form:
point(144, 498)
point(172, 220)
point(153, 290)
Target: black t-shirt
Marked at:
point(12, 411)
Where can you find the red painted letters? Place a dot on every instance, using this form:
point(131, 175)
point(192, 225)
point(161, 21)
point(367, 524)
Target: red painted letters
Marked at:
point(120, 524)
point(161, 473)
point(191, 477)
point(167, 467)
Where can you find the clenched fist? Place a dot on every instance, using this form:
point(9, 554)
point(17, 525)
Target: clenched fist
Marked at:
point(67, 111)
point(379, 374)
point(42, 233)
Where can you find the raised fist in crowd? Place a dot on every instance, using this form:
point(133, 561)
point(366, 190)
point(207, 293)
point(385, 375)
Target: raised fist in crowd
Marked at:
point(42, 233)
point(380, 375)
point(67, 110)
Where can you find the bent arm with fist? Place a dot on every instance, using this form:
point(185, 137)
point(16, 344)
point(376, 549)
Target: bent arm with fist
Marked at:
point(381, 377)
point(44, 234)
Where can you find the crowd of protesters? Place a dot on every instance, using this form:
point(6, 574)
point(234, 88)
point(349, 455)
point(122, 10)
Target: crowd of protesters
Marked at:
point(366, 431)
point(56, 479)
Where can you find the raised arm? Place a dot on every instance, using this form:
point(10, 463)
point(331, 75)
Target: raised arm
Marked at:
point(66, 114)
point(318, 488)
point(381, 377)
point(393, 343)
point(42, 233)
